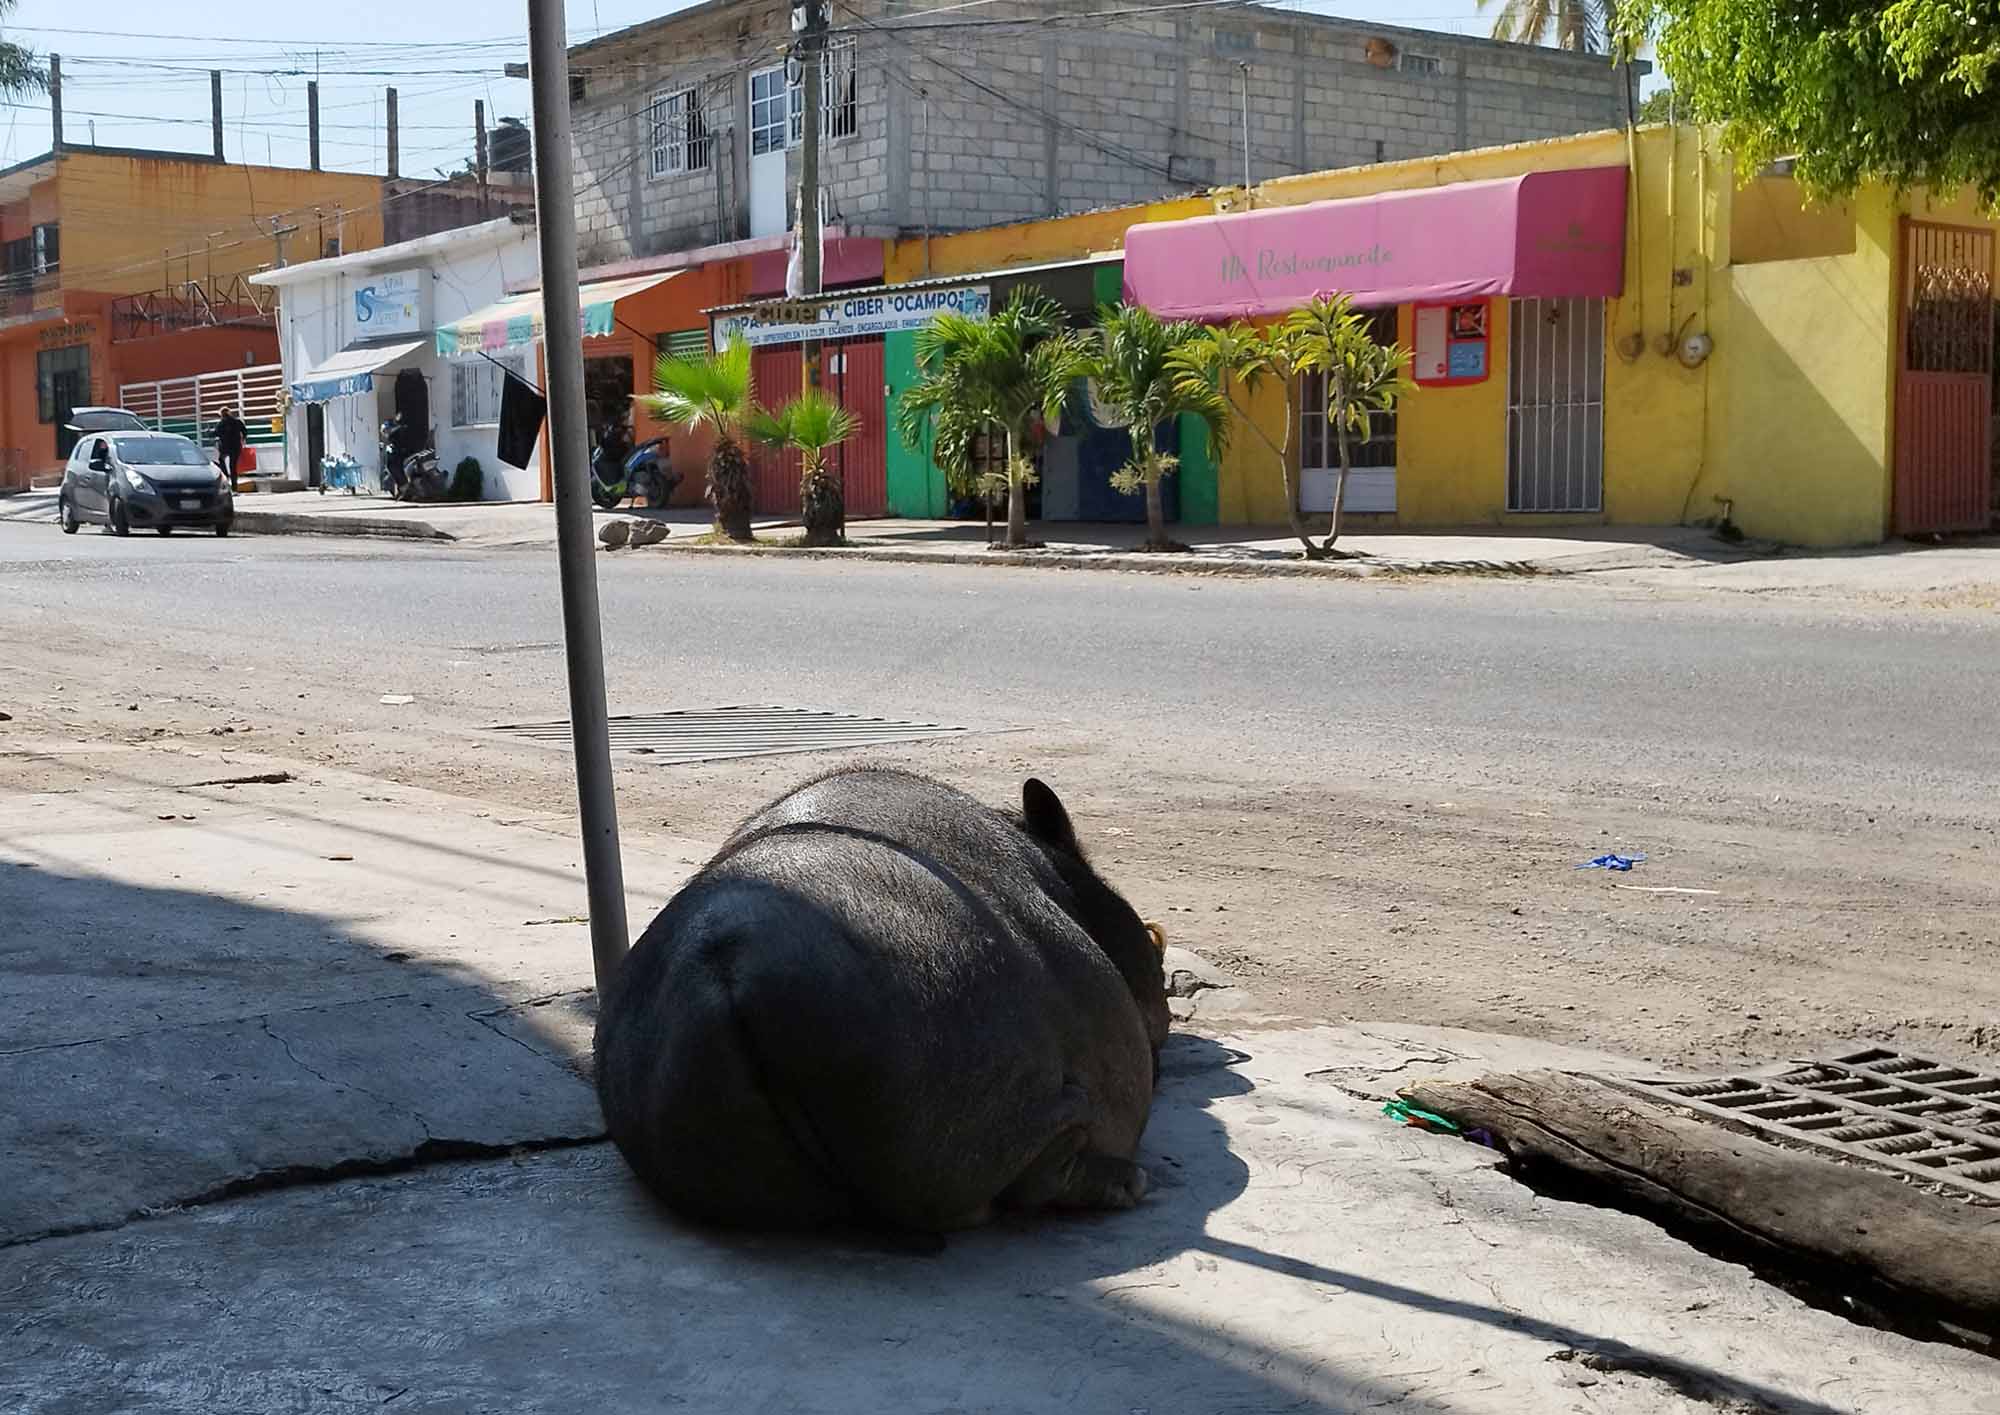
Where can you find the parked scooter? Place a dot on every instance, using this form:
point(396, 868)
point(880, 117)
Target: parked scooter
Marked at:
point(409, 470)
point(642, 472)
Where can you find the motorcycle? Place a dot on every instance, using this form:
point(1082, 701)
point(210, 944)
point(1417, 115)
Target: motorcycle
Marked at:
point(643, 472)
point(409, 473)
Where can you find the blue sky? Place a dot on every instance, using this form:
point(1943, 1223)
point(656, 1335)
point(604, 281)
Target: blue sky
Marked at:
point(141, 89)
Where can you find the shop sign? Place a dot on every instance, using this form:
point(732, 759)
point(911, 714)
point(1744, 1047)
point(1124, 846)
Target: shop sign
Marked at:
point(57, 336)
point(852, 316)
point(390, 303)
point(1452, 342)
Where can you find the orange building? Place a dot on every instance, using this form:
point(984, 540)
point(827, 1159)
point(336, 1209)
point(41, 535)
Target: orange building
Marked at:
point(120, 266)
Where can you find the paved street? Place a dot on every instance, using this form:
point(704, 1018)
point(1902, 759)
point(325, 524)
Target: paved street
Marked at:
point(1369, 797)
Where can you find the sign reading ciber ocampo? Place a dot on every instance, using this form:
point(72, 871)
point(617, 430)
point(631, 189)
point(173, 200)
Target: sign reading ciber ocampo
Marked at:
point(856, 316)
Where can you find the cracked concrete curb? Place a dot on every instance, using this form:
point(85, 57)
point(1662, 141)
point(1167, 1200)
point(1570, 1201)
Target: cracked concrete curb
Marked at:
point(286, 523)
point(1136, 562)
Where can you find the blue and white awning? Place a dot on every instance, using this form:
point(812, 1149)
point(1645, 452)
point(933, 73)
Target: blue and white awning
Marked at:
point(352, 370)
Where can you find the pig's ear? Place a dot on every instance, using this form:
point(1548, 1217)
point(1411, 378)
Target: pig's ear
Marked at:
point(1042, 812)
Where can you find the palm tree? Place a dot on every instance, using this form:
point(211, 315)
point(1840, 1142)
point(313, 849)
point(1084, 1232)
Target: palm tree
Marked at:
point(1580, 26)
point(1239, 359)
point(814, 424)
point(21, 71)
point(1329, 338)
point(982, 376)
point(1135, 371)
point(713, 391)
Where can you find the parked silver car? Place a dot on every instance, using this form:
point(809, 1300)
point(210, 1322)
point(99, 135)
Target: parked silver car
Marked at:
point(152, 480)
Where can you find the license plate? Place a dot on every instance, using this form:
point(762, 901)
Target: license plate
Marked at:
point(190, 503)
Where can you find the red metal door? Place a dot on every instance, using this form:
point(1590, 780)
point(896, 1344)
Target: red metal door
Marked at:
point(852, 372)
point(777, 373)
point(1944, 384)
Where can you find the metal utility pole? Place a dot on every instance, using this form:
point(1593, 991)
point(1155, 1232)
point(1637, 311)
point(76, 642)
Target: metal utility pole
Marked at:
point(312, 123)
point(1246, 133)
point(479, 150)
point(811, 18)
point(569, 452)
point(55, 102)
point(215, 113)
point(394, 153)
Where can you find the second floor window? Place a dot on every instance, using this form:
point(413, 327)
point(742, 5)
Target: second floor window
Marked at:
point(836, 96)
point(679, 133)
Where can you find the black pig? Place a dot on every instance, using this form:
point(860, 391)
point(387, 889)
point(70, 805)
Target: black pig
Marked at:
point(883, 1003)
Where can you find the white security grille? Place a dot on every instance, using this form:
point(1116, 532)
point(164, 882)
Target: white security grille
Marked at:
point(190, 406)
point(1555, 405)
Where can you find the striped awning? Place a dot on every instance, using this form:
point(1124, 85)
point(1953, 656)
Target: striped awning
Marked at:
point(518, 320)
point(350, 371)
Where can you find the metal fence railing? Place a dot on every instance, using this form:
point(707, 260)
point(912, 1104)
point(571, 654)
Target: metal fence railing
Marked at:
point(190, 406)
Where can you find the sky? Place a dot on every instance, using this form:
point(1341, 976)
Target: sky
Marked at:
point(142, 85)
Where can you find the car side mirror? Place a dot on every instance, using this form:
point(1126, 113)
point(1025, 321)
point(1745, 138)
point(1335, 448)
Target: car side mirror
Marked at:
point(100, 464)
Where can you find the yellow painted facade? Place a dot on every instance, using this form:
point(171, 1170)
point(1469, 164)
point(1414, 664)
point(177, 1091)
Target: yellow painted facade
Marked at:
point(1789, 424)
point(132, 223)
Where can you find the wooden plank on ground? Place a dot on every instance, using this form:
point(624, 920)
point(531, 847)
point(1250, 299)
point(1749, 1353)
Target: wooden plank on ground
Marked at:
point(1898, 1248)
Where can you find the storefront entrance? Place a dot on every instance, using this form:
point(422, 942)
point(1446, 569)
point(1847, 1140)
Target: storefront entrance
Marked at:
point(1371, 478)
point(1555, 405)
point(851, 373)
point(1944, 384)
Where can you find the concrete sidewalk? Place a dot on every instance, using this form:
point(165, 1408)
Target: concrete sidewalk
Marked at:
point(297, 1120)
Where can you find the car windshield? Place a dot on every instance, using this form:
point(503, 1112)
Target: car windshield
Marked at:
point(105, 420)
point(160, 452)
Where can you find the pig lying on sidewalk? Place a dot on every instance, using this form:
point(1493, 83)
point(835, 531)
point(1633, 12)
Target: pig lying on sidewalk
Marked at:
point(884, 1003)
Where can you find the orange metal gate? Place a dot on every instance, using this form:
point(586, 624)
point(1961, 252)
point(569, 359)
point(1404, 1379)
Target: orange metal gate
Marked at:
point(1944, 384)
point(851, 372)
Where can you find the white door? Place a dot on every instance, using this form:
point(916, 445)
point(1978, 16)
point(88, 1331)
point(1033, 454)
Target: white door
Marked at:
point(1371, 477)
point(770, 126)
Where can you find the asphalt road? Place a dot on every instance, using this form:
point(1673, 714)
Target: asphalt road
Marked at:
point(1314, 757)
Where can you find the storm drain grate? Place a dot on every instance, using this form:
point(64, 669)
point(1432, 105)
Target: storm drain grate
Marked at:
point(1938, 1122)
point(719, 734)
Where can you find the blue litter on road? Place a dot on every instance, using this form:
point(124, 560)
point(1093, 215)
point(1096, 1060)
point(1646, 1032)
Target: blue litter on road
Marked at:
point(1612, 862)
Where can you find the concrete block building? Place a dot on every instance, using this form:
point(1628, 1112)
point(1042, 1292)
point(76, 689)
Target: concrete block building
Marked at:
point(936, 117)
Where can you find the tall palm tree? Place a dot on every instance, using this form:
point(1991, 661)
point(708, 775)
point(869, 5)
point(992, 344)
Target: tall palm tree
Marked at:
point(813, 424)
point(1135, 371)
point(1239, 359)
point(1580, 26)
point(21, 71)
point(978, 377)
point(1329, 337)
point(713, 391)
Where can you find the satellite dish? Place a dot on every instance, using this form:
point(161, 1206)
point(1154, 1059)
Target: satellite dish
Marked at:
point(1103, 413)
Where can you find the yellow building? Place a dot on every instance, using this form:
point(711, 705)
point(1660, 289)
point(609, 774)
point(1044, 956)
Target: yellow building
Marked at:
point(1606, 329)
point(125, 266)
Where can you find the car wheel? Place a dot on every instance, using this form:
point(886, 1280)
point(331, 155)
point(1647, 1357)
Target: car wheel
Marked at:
point(165, 530)
point(121, 524)
point(66, 513)
point(222, 526)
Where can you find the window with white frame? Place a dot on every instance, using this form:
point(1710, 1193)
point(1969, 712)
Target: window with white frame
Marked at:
point(769, 103)
point(476, 384)
point(1319, 444)
point(836, 95)
point(1419, 63)
point(679, 133)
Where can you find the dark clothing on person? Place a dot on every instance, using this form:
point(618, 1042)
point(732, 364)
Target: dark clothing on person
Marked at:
point(229, 434)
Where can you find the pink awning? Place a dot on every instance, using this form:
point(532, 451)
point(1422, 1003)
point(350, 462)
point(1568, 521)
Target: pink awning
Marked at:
point(1546, 235)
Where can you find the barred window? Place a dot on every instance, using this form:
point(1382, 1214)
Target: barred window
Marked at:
point(476, 384)
point(836, 94)
point(680, 141)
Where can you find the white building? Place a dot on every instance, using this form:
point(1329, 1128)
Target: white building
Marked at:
point(352, 329)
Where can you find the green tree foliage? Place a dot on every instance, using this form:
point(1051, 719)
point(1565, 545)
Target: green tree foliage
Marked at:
point(21, 70)
point(1660, 106)
point(978, 378)
point(1581, 26)
point(812, 424)
point(1135, 367)
point(1899, 91)
point(713, 391)
point(1330, 338)
point(1238, 360)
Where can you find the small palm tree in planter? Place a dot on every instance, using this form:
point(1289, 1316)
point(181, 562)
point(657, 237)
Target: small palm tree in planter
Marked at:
point(1329, 337)
point(1240, 359)
point(813, 424)
point(713, 391)
point(980, 376)
point(1135, 369)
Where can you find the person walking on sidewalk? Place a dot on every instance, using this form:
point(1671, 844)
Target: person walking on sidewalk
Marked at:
point(229, 434)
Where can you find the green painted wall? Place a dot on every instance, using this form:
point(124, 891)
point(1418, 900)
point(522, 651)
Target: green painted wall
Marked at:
point(1200, 503)
point(1109, 280)
point(916, 488)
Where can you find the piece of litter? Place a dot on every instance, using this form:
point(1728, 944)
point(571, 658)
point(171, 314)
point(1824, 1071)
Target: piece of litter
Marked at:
point(1116, 830)
point(395, 699)
point(572, 919)
point(339, 857)
point(1663, 889)
point(1422, 1119)
point(1612, 862)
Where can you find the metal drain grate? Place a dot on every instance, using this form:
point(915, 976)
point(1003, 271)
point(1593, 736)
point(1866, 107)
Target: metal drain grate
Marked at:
point(719, 734)
point(1940, 1123)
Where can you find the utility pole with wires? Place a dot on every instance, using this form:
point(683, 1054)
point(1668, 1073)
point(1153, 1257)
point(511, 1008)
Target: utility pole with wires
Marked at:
point(569, 454)
point(810, 20)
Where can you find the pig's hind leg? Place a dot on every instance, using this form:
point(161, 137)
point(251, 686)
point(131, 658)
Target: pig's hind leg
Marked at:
point(1066, 1174)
